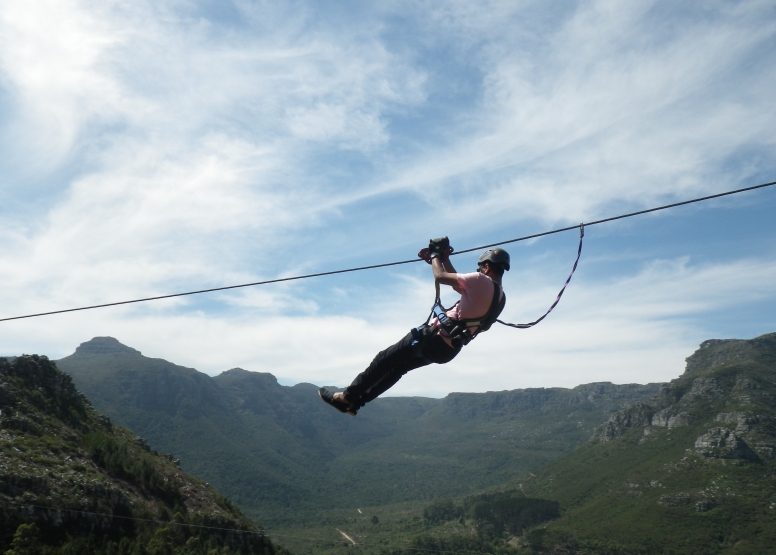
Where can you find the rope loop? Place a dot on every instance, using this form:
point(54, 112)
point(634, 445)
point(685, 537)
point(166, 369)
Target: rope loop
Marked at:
point(557, 299)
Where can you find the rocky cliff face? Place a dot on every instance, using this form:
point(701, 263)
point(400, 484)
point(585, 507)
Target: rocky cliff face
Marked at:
point(691, 470)
point(602, 396)
point(70, 479)
point(729, 386)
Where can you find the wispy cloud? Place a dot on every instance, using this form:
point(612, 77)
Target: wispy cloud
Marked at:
point(192, 140)
point(619, 103)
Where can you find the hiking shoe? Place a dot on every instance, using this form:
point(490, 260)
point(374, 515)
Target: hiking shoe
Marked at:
point(328, 398)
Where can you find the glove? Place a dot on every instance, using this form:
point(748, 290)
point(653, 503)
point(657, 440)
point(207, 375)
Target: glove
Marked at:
point(425, 255)
point(439, 247)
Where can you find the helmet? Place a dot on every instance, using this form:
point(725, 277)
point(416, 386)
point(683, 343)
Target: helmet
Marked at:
point(495, 256)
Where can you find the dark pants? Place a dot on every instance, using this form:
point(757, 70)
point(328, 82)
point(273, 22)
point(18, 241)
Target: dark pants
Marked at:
point(387, 368)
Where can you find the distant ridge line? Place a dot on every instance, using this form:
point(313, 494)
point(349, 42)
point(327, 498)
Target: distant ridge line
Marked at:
point(387, 264)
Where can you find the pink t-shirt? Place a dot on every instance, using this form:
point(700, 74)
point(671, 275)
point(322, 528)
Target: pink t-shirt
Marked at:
point(476, 291)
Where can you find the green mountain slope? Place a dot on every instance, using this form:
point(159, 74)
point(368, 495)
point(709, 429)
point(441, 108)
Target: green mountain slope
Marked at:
point(691, 470)
point(72, 482)
point(281, 454)
point(470, 442)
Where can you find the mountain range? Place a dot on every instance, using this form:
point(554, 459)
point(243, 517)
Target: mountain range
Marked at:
point(690, 470)
point(284, 456)
point(684, 467)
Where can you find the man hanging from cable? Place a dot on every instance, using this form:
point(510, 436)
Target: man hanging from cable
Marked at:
point(441, 338)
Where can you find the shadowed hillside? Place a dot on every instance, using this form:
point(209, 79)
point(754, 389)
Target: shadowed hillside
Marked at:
point(72, 482)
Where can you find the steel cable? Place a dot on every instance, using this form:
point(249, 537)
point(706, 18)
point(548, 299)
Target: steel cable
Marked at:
point(387, 264)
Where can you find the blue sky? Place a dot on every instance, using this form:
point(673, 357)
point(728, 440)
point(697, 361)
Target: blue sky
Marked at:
point(158, 147)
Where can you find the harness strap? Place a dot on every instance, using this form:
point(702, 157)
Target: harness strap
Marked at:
point(557, 300)
point(460, 331)
point(496, 306)
point(437, 303)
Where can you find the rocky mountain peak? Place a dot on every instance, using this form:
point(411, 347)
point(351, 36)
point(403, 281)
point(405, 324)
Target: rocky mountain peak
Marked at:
point(239, 375)
point(715, 352)
point(103, 346)
point(727, 393)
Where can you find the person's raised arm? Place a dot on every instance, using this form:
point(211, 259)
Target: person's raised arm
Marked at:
point(441, 273)
point(447, 265)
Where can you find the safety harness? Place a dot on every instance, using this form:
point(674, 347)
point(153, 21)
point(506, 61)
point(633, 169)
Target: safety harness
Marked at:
point(462, 331)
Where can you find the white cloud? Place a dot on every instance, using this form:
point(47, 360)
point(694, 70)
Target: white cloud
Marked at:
point(192, 142)
point(616, 104)
point(47, 53)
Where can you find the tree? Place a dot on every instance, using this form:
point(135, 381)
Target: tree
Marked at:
point(26, 541)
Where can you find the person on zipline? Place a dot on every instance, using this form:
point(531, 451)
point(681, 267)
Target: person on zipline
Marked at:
point(441, 339)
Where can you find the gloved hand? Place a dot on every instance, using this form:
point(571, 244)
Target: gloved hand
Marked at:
point(425, 255)
point(439, 247)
